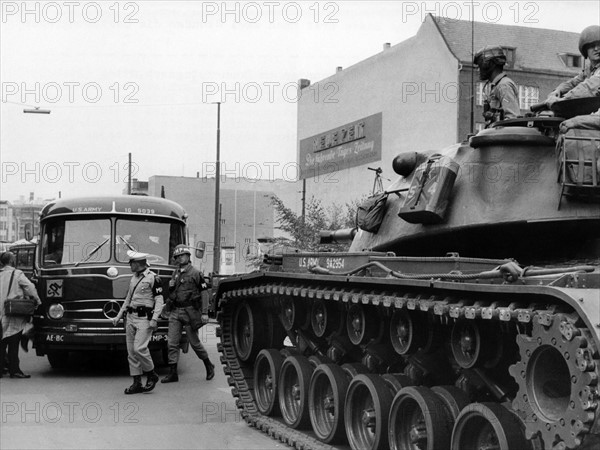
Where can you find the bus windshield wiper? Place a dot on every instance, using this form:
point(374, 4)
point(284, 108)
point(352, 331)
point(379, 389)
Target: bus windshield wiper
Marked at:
point(93, 252)
point(126, 243)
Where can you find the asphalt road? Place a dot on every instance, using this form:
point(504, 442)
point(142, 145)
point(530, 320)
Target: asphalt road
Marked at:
point(83, 407)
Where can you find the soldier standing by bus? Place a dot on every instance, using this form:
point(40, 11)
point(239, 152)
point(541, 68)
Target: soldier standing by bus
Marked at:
point(188, 305)
point(143, 304)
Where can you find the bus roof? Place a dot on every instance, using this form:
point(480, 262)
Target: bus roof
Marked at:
point(119, 204)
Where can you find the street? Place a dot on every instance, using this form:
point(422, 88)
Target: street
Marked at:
point(84, 407)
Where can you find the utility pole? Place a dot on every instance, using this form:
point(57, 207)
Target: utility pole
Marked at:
point(129, 176)
point(217, 231)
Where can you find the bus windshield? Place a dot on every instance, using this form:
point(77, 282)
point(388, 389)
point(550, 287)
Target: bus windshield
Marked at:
point(91, 240)
point(157, 239)
point(73, 241)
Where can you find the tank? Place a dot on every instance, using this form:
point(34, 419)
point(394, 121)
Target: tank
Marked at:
point(469, 320)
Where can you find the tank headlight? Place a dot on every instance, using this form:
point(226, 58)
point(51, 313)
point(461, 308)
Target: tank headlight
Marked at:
point(56, 311)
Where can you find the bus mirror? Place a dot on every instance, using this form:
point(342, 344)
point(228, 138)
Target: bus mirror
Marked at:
point(200, 247)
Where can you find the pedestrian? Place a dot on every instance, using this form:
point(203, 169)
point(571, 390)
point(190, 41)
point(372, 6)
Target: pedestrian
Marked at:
point(586, 83)
point(13, 284)
point(143, 304)
point(188, 305)
point(501, 95)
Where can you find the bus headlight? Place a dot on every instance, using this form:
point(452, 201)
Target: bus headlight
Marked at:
point(56, 311)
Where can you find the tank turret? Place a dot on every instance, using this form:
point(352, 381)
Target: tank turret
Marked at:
point(465, 315)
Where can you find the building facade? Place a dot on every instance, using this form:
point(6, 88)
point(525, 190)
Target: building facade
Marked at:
point(415, 96)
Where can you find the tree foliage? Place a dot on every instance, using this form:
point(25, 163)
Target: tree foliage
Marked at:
point(304, 231)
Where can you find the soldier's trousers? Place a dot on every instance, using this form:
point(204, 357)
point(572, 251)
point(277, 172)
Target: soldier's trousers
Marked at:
point(178, 320)
point(138, 335)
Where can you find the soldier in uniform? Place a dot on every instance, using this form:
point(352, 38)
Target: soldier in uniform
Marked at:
point(586, 83)
point(188, 306)
point(501, 95)
point(143, 304)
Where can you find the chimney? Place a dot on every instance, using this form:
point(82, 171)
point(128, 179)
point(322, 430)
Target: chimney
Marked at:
point(387, 46)
point(303, 83)
point(338, 69)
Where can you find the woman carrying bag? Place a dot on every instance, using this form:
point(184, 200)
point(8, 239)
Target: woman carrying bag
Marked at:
point(14, 286)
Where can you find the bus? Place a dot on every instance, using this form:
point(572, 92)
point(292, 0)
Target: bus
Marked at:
point(82, 269)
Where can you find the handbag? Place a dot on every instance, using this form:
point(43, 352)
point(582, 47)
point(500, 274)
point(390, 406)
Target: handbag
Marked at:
point(18, 306)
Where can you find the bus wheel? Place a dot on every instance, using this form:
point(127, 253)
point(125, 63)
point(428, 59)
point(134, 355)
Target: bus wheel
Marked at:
point(58, 359)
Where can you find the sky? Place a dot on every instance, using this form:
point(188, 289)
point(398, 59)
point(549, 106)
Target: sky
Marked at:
point(142, 78)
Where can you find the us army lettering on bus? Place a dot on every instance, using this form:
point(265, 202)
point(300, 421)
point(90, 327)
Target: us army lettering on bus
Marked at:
point(87, 209)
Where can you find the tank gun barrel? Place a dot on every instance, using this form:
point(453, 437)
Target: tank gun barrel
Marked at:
point(337, 236)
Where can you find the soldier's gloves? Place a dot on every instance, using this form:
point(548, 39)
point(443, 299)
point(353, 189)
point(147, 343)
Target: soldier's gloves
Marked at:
point(204, 319)
point(153, 325)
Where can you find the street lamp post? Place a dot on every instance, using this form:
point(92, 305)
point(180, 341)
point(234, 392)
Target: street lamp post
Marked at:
point(217, 236)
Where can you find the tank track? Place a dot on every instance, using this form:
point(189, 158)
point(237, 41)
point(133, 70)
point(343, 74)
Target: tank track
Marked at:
point(566, 333)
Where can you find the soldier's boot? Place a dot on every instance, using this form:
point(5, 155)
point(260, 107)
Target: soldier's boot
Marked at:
point(210, 369)
point(172, 376)
point(151, 380)
point(136, 387)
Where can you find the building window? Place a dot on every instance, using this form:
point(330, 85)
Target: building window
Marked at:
point(528, 95)
point(571, 60)
point(510, 57)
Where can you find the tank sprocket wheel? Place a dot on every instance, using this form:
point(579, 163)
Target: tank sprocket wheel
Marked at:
point(488, 426)
point(557, 376)
point(328, 387)
point(266, 376)
point(418, 420)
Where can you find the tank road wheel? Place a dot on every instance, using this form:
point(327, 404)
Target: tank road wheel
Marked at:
point(266, 375)
point(328, 387)
point(323, 317)
point(488, 426)
point(557, 376)
point(249, 335)
point(294, 384)
point(362, 324)
point(366, 412)
point(453, 398)
point(419, 421)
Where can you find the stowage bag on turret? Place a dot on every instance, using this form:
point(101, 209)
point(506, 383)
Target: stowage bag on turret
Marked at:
point(370, 213)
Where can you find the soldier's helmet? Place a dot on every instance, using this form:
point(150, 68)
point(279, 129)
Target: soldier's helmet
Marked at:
point(490, 52)
point(588, 36)
point(137, 256)
point(181, 250)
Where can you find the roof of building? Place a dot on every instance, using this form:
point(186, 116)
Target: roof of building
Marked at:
point(535, 48)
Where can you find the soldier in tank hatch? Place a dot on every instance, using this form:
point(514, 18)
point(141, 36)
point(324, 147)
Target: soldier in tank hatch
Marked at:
point(501, 95)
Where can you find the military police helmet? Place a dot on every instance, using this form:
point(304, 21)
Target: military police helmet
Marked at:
point(181, 250)
point(137, 257)
point(490, 52)
point(588, 36)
